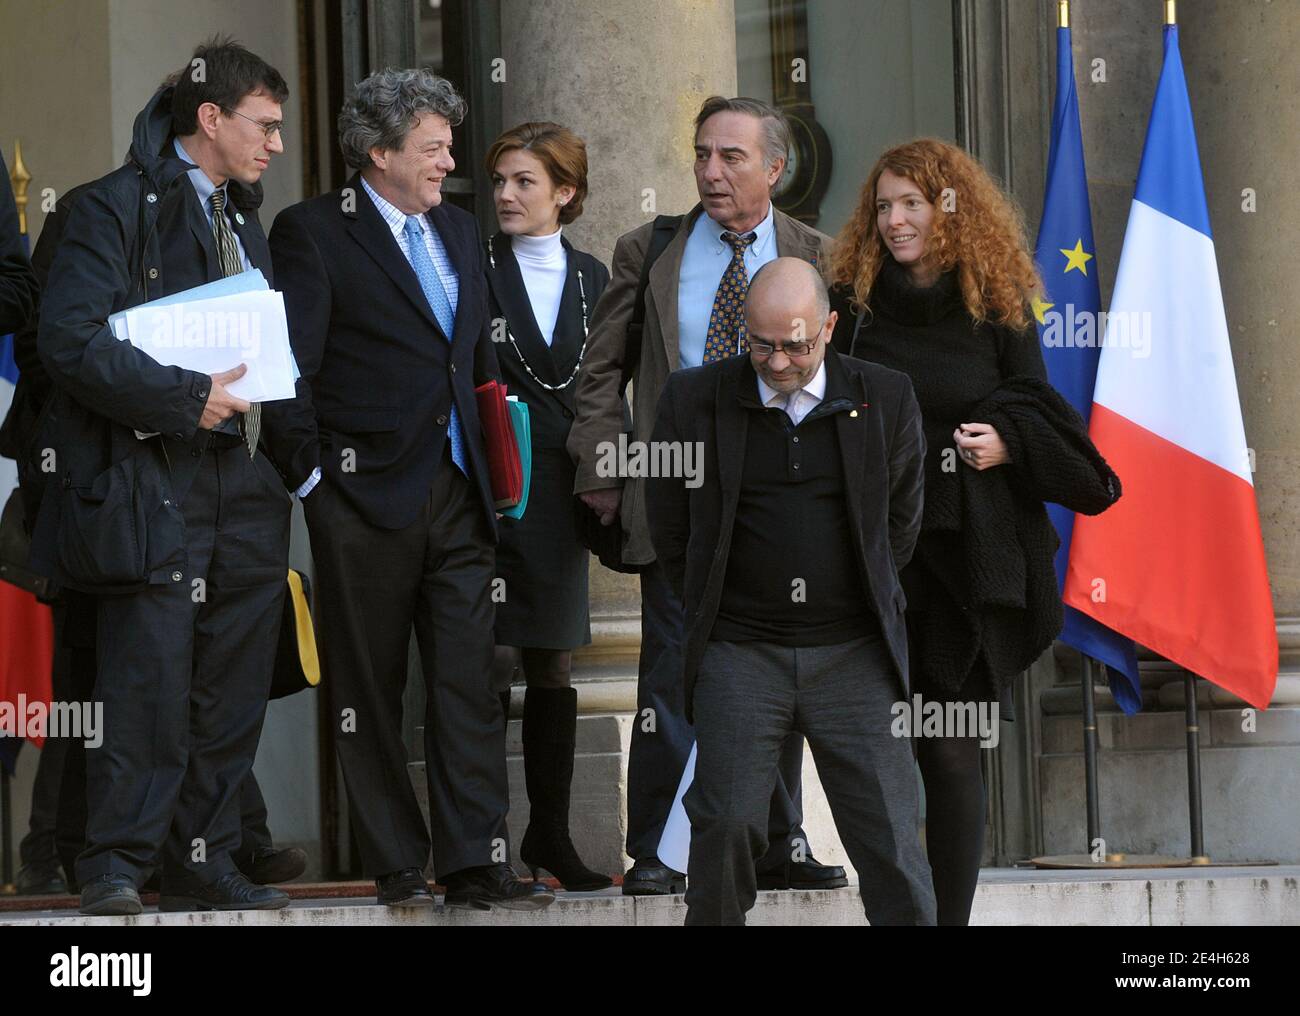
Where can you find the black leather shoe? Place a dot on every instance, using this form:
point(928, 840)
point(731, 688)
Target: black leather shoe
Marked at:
point(40, 880)
point(269, 866)
point(232, 891)
point(651, 877)
point(405, 888)
point(807, 874)
point(495, 885)
point(110, 895)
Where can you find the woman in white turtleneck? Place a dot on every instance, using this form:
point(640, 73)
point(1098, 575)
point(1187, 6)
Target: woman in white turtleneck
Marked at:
point(544, 266)
point(543, 291)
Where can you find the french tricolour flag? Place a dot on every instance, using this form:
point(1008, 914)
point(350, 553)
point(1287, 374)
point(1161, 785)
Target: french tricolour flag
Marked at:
point(1177, 564)
point(26, 630)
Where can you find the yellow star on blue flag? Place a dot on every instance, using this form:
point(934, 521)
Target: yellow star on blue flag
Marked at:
point(1076, 258)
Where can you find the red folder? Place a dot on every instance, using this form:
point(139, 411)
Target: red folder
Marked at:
point(504, 465)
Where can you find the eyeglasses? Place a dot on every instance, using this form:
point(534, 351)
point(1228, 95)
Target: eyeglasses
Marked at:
point(766, 349)
point(274, 127)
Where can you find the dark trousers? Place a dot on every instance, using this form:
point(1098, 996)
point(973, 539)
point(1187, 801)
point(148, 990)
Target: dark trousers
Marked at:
point(749, 696)
point(373, 585)
point(184, 670)
point(662, 739)
point(254, 834)
point(57, 827)
point(39, 848)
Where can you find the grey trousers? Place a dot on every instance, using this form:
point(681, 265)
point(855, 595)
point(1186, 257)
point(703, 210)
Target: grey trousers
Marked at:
point(748, 697)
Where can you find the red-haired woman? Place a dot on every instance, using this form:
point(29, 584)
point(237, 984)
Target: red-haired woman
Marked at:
point(932, 276)
point(544, 290)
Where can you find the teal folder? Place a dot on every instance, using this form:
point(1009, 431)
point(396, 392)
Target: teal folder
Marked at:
point(524, 436)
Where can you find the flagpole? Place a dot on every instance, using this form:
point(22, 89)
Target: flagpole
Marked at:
point(1194, 815)
point(1194, 771)
point(20, 178)
point(1091, 795)
point(1090, 756)
point(1091, 798)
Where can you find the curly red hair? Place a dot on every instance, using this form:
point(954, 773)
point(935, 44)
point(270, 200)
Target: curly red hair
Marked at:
point(982, 236)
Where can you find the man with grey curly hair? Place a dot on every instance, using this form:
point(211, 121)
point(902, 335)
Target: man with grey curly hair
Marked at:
point(379, 113)
point(387, 304)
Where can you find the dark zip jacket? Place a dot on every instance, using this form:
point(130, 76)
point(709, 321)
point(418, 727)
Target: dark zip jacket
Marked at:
point(110, 521)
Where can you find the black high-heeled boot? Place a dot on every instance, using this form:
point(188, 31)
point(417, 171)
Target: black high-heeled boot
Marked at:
point(550, 728)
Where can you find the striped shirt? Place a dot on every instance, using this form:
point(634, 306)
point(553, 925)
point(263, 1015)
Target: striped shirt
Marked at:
point(396, 220)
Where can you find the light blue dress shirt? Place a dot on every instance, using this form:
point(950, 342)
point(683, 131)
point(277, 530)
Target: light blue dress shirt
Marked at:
point(395, 219)
point(704, 262)
point(205, 187)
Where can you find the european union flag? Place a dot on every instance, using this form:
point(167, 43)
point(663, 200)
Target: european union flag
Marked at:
point(1071, 333)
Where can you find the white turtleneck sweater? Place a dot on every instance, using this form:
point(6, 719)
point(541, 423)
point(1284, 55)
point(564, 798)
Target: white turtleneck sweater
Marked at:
point(543, 265)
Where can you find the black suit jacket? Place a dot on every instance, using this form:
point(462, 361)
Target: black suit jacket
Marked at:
point(378, 375)
point(550, 412)
point(878, 424)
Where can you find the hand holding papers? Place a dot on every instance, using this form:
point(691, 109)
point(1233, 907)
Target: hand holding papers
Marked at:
point(214, 328)
point(221, 405)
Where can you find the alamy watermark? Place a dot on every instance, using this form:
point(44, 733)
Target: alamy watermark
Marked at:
point(38, 718)
point(75, 969)
point(918, 718)
point(1083, 329)
point(176, 328)
point(626, 459)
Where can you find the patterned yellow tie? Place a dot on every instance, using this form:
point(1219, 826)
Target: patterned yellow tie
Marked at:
point(228, 255)
point(726, 335)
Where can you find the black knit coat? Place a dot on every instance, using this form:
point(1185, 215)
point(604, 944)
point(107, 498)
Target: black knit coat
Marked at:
point(982, 593)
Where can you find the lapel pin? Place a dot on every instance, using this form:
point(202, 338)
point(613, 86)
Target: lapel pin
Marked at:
point(854, 414)
point(239, 217)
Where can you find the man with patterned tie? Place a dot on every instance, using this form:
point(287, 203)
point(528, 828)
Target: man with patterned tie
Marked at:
point(691, 308)
point(166, 507)
point(387, 302)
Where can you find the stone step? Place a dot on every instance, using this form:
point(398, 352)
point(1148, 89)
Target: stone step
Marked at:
point(598, 811)
point(1247, 793)
point(1139, 897)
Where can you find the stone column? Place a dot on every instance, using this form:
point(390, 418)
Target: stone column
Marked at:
point(1241, 84)
point(628, 77)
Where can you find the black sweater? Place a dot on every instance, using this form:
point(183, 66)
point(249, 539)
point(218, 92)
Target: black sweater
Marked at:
point(981, 586)
point(792, 575)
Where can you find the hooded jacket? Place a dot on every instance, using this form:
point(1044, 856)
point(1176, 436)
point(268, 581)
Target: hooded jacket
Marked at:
point(110, 522)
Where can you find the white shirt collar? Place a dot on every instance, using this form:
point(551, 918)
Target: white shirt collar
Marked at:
point(814, 389)
point(389, 212)
point(764, 232)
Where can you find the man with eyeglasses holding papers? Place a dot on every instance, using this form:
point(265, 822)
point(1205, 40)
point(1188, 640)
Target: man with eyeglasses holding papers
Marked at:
point(786, 561)
point(165, 505)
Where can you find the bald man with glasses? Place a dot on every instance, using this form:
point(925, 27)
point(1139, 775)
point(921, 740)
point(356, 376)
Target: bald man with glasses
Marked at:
point(786, 559)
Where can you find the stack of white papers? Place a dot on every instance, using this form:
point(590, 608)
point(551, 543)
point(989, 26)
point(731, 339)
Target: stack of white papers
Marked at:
point(216, 327)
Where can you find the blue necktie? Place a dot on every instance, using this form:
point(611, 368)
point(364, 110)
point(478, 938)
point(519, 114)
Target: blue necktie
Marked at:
point(441, 307)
